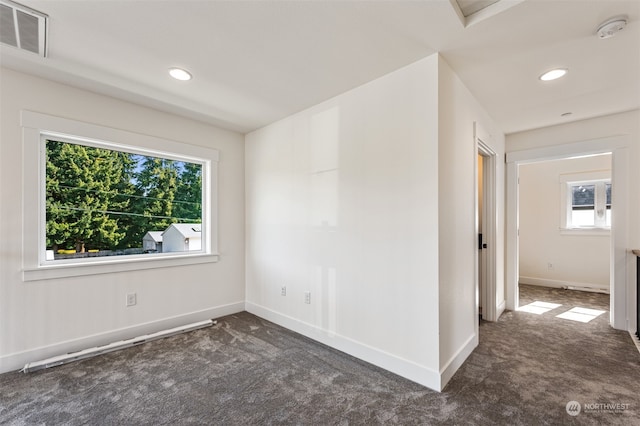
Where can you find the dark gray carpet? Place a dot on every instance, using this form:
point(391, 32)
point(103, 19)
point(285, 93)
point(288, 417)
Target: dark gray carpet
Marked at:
point(248, 371)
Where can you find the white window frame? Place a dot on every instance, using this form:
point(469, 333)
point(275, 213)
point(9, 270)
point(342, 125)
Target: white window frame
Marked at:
point(37, 128)
point(566, 201)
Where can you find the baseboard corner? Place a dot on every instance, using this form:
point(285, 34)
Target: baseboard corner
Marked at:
point(456, 361)
point(502, 306)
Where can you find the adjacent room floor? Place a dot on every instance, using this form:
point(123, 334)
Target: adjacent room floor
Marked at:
point(528, 367)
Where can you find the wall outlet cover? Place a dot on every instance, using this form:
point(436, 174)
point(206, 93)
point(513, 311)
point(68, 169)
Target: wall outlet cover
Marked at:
point(132, 299)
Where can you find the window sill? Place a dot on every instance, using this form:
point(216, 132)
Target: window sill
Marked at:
point(601, 232)
point(47, 272)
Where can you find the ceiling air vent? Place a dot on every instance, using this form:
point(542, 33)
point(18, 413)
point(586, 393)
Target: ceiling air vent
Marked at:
point(23, 27)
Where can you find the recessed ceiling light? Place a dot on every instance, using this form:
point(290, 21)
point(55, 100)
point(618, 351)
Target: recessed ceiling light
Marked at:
point(180, 74)
point(553, 74)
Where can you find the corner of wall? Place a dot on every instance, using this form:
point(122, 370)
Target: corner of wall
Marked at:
point(458, 110)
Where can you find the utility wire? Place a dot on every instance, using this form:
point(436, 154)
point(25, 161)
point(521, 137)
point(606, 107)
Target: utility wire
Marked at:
point(125, 213)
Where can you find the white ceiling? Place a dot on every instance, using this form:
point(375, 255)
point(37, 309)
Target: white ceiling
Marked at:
point(255, 62)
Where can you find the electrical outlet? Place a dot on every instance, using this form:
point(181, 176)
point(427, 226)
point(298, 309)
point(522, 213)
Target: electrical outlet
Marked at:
point(550, 266)
point(307, 297)
point(132, 299)
point(283, 290)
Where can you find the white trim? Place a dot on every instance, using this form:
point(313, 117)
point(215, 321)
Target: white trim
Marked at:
point(65, 126)
point(512, 246)
point(545, 282)
point(17, 360)
point(591, 232)
point(36, 127)
point(566, 201)
point(124, 263)
point(489, 223)
point(402, 367)
point(621, 285)
point(583, 177)
point(456, 361)
point(501, 308)
point(635, 339)
point(569, 150)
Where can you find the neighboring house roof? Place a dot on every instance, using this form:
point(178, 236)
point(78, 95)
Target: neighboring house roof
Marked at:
point(156, 236)
point(188, 230)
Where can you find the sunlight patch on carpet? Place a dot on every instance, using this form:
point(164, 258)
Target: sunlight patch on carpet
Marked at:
point(538, 307)
point(581, 314)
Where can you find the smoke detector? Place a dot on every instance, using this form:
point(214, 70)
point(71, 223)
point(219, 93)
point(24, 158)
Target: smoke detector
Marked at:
point(23, 27)
point(611, 27)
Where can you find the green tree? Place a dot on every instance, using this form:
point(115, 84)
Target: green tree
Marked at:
point(157, 183)
point(188, 202)
point(128, 192)
point(81, 191)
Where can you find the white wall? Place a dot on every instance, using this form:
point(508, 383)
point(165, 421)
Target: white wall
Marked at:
point(457, 216)
point(341, 201)
point(49, 317)
point(367, 202)
point(578, 259)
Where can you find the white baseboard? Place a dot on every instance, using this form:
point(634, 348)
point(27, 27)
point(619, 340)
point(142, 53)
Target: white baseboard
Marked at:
point(543, 282)
point(447, 372)
point(402, 367)
point(16, 361)
point(501, 308)
point(635, 339)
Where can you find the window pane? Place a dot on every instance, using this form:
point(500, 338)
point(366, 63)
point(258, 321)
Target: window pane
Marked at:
point(583, 196)
point(607, 187)
point(103, 202)
point(581, 218)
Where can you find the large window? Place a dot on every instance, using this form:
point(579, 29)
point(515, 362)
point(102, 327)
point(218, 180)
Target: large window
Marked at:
point(112, 202)
point(101, 200)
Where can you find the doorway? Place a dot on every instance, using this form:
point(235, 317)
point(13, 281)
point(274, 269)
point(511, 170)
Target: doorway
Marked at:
point(620, 304)
point(486, 225)
point(565, 220)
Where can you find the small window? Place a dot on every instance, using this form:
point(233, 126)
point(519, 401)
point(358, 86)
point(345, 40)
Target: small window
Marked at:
point(106, 202)
point(586, 204)
point(590, 205)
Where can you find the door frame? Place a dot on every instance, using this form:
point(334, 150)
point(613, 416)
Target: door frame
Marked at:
point(622, 291)
point(489, 224)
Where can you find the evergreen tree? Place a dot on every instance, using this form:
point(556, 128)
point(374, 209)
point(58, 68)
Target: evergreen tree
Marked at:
point(81, 196)
point(128, 192)
point(157, 182)
point(188, 202)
